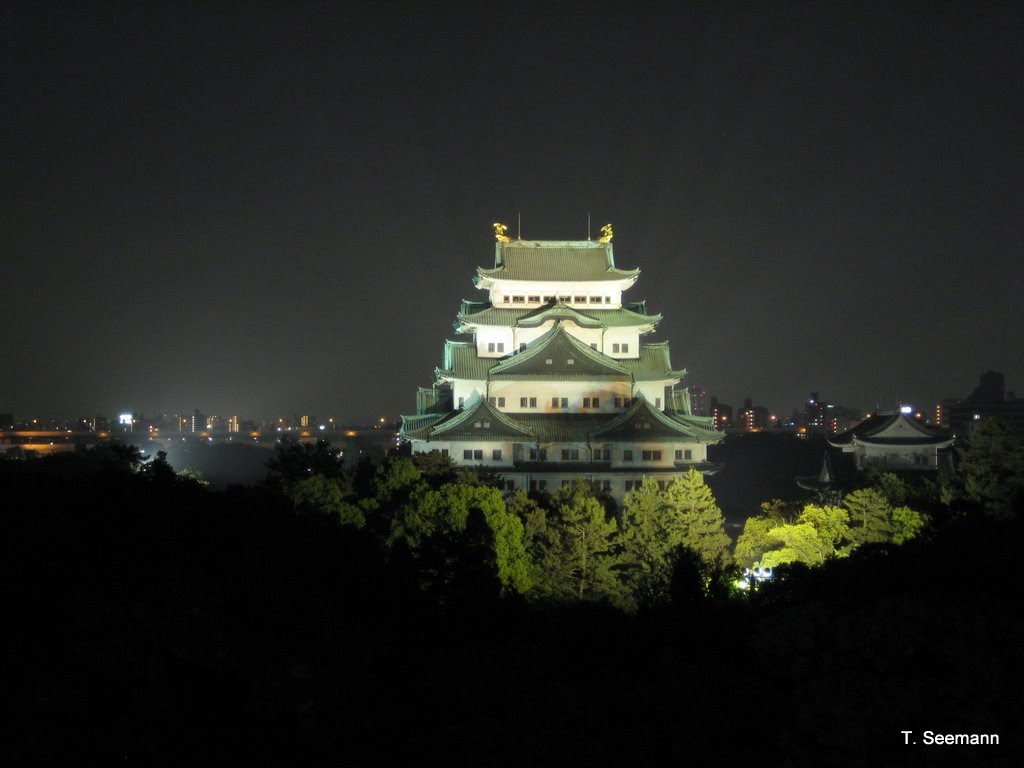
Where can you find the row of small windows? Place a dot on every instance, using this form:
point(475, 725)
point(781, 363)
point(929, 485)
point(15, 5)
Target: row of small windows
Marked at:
point(627, 455)
point(561, 402)
point(563, 299)
point(477, 454)
point(597, 485)
point(499, 348)
point(556, 402)
point(573, 454)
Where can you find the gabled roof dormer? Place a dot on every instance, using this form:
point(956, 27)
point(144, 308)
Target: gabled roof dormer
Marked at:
point(643, 422)
point(559, 355)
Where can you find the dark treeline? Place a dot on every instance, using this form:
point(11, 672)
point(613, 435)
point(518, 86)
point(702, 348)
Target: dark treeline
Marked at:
point(154, 621)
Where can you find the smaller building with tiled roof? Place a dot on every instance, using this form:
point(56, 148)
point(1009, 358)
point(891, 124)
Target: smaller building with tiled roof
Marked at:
point(896, 441)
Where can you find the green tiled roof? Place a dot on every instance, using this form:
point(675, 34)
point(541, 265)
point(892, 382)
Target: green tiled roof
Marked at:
point(701, 426)
point(562, 427)
point(418, 427)
point(550, 356)
point(547, 260)
point(590, 318)
point(596, 428)
point(644, 422)
point(461, 362)
point(481, 422)
point(653, 364)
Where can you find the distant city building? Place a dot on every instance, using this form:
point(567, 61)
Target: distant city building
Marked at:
point(753, 418)
point(555, 384)
point(721, 414)
point(989, 400)
point(828, 418)
point(700, 401)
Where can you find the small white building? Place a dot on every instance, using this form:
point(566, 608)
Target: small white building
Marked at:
point(556, 383)
point(894, 441)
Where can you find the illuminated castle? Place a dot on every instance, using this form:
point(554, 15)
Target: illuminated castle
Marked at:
point(554, 383)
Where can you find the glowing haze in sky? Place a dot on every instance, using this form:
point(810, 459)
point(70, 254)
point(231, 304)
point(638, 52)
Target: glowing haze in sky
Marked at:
point(275, 209)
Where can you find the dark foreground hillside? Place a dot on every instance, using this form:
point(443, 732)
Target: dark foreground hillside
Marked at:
point(159, 623)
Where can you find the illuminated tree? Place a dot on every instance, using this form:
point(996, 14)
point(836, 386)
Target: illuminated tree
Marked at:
point(434, 516)
point(693, 519)
point(646, 542)
point(577, 550)
point(817, 535)
point(905, 524)
point(326, 495)
point(869, 516)
point(755, 540)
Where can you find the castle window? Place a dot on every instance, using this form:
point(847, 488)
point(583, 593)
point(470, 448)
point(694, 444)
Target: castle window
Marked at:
point(570, 361)
point(618, 402)
point(517, 299)
point(625, 348)
point(478, 454)
point(501, 346)
point(554, 402)
point(548, 361)
point(627, 455)
point(580, 299)
point(444, 451)
point(533, 299)
point(501, 402)
point(570, 454)
point(595, 299)
point(657, 402)
point(490, 346)
point(616, 348)
point(496, 454)
point(522, 402)
point(651, 455)
point(467, 454)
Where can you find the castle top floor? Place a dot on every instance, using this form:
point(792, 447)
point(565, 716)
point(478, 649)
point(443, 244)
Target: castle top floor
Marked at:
point(535, 272)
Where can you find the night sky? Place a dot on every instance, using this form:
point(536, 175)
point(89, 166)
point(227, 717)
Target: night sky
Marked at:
point(275, 209)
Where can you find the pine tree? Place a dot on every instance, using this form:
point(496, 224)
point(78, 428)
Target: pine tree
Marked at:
point(693, 519)
point(577, 549)
point(869, 516)
point(646, 542)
